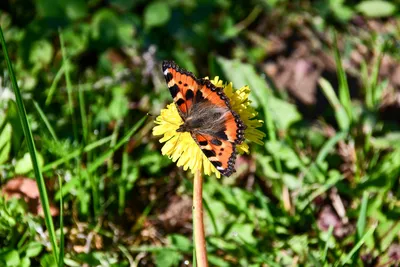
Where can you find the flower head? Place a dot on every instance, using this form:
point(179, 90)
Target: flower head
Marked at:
point(182, 148)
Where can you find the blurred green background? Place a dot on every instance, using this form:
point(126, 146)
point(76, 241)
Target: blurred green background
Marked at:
point(322, 191)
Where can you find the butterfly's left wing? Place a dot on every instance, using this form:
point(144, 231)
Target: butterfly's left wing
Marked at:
point(221, 153)
point(182, 84)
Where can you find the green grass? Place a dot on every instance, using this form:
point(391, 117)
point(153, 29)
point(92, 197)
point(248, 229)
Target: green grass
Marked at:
point(322, 190)
point(32, 151)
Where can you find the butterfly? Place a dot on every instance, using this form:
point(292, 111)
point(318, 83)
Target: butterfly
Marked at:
point(207, 115)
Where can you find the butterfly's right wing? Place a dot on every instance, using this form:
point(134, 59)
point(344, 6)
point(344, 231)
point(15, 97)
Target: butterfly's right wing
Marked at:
point(221, 153)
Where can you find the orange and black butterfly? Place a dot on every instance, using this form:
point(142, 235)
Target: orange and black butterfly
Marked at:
point(207, 116)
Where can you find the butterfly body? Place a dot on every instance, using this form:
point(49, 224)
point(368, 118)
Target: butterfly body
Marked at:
point(204, 118)
point(207, 115)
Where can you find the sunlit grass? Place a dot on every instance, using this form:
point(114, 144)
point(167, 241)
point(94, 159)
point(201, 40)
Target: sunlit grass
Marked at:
point(32, 151)
point(320, 192)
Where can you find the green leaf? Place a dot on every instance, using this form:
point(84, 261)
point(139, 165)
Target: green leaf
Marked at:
point(291, 181)
point(41, 53)
point(77, 39)
point(376, 8)
point(181, 242)
point(25, 262)
point(283, 113)
point(388, 141)
point(104, 28)
point(47, 261)
point(33, 249)
point(243, 231)
point(154, 161)
point(342, 12)
point(286, 154)
point(218, 261)
point(75, 9)
point(167, 258)
point(11, 258)
point(49, 8)
point(299, 244)
point(156, 14)
point(24, 165)
point(184, 59)
point(119, 104)
point(221, 243)
point(391, 234)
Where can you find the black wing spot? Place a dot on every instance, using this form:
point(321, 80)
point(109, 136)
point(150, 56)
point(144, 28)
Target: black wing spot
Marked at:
point(216, 142)
point(221, 135)
point(216, 163)
point(203, 143)
point(168, 77)
point(185, 84)
point(174, 90)
point(180, 102)
point(199, 96)
point(180, 82)
point(189, 94)
point(209, 153)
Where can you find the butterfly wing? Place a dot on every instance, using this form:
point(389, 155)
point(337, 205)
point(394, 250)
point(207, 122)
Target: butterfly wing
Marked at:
point(233, 126)
point(221, 153)
point(182, 84)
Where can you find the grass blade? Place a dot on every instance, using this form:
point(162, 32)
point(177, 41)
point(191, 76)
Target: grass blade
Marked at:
point(328, 146)
point(362, 218)
point(212, 217)
point(46, 121)
point(346, 258)
point(53, 86)
point(342, 117)
point(61, 257)
point(375, 78)
point(69, 85)
point(344, 92)
point(361, 222)
point(100, 160)
point(332, 181)
point(32, 151)
point(313, 170)
point(325, 252)
point(84, 118)
point(76, 153)
point(122, 185)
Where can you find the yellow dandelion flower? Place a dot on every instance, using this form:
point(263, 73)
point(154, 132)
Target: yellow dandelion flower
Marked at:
point(183, 149)
point(240, 103)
